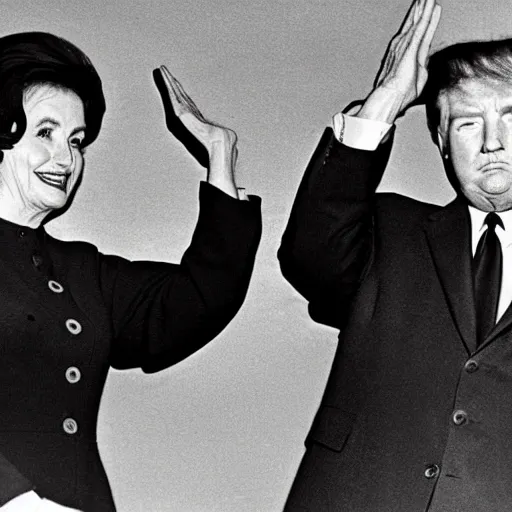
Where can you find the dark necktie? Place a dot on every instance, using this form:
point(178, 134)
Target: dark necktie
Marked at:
point(487, 277)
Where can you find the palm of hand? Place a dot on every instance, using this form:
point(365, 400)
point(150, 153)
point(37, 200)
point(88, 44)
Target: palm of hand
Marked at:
point(404, 67)
point(185, 121)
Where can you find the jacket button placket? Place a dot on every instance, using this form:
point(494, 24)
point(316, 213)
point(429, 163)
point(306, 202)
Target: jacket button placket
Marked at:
point(73, 326)
point(432, 471)
point(70, 426)
point(73, 374)
point(55, 286)
point(460, 417)
point(469, 417)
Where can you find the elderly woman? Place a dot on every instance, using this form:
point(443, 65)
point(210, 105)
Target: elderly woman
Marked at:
point(69, 312)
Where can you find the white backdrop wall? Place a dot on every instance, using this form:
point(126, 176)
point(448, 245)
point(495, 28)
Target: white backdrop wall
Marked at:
point(223, 431)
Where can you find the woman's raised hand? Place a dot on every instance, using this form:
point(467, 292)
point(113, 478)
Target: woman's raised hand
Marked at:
point(212, 145)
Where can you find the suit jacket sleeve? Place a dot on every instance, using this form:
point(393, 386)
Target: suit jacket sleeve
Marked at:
point(328, 242)
point(161, 312)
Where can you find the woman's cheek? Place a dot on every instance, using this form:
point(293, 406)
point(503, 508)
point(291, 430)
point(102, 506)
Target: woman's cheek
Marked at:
point(38, 156)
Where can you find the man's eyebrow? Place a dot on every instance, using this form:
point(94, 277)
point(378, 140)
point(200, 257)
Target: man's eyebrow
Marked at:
point(465, 110)
point(469, 110)
point(464, 113)
point(55, 123)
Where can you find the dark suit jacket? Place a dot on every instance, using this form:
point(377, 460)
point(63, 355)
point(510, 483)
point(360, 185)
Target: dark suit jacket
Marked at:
point(127, 314)
point(414, 416)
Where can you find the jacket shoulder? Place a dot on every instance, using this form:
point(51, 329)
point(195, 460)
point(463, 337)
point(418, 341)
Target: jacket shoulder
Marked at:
point(72, 253)
point(402, 209)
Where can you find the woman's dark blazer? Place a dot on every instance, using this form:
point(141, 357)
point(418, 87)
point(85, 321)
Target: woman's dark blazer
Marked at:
point(69, 313)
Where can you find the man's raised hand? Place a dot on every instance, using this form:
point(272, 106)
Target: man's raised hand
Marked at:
point(403, 72)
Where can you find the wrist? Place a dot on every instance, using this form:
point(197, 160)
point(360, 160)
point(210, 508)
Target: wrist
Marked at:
point(382, 104)
point(221, 172)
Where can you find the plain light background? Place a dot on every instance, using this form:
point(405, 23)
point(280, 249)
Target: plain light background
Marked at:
point(223, 431)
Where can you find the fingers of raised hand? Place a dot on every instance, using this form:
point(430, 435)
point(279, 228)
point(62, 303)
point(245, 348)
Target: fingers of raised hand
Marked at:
point(424, 21)
point(190, 116)
point(181, 101)
point(170, 83)
point(411, 16)
point(416, 22)
point(396, 45)
point(429, 35)
point(189, 102)
point(416, 34)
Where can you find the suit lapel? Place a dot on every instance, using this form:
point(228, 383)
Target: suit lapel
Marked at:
point(504, 323)
point(449, 236)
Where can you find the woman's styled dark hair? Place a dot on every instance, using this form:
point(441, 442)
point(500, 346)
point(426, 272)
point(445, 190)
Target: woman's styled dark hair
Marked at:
point(36, 58)
point(474, 59)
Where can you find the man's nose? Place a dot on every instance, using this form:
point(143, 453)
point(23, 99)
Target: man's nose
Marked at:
point(493, 136)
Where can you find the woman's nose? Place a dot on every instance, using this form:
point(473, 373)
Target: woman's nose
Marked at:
point(63, 155)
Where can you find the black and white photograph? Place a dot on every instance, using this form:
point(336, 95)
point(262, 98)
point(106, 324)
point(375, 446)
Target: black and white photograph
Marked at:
point(255, 256)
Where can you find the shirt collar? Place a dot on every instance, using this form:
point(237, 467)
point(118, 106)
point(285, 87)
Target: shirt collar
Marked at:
point(478, 226)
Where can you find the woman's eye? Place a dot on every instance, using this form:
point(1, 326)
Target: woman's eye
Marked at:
point(76, 143)
point(45, 133)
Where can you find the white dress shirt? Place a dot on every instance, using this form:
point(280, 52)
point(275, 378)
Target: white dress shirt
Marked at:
point(366, 134)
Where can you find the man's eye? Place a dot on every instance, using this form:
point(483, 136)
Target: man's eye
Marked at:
point(45, 133)
point(468, 124)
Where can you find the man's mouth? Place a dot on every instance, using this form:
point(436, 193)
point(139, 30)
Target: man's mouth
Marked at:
point(54, 179)
point(492, 166)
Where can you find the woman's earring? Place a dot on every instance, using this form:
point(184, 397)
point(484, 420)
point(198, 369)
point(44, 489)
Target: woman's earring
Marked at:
point(14, 127)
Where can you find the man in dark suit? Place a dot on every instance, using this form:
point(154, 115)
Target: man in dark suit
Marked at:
point(417, 412)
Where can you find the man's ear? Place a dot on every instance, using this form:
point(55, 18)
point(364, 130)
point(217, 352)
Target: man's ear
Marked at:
point(442, 145)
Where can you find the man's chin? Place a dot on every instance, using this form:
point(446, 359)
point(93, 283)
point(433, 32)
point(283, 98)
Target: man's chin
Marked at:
point(491, 202)
point(495, 183)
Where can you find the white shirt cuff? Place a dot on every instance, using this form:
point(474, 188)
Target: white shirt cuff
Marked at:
point(359, 133)
point(242, 194)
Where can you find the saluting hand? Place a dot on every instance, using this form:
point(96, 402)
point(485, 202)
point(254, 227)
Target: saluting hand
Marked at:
point(403, 72)
point(212, 145)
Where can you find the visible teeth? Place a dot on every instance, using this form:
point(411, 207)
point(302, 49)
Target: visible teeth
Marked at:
point(58, 180)
point(54, 178)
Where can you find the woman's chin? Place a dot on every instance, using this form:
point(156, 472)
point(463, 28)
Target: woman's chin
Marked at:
point(54, 201)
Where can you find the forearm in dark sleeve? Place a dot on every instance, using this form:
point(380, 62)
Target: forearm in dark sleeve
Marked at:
point(327, 243)
point(166, 312)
